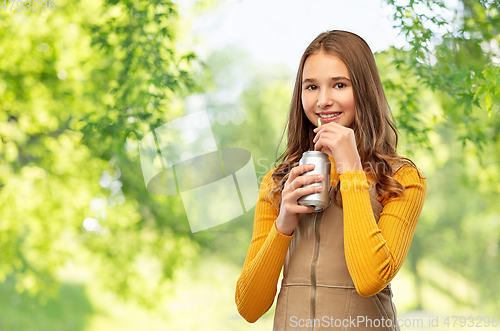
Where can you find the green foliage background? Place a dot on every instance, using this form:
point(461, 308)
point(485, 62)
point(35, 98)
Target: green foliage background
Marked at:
point(80, 86)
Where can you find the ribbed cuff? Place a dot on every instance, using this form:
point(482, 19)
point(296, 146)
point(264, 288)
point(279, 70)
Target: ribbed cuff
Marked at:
point(354, 181)
point(275, 249)
point(274, 232)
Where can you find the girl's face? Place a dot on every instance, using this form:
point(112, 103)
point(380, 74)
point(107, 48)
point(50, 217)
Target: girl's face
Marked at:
point(327, 89)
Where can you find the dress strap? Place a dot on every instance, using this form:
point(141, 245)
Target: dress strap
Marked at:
point(397, 165)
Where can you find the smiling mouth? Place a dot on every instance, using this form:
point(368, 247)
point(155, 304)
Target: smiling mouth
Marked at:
point(329, 116)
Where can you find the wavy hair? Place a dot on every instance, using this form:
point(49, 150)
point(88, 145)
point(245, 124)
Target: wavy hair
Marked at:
point(374, 129)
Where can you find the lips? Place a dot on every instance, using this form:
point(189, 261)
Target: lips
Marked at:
point(332, 118)
point(328, 113)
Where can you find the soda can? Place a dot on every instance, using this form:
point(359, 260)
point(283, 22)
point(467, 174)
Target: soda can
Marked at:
point(322, 166)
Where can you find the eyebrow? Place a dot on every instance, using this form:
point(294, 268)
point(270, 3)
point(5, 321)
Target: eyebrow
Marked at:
point(312, 80)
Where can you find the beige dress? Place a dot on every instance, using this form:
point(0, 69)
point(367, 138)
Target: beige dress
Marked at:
point(316, 284)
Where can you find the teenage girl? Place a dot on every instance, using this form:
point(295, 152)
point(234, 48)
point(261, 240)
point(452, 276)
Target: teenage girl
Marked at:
point(337, 263)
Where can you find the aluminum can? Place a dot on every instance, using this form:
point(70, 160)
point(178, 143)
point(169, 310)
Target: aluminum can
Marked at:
point(320, 200)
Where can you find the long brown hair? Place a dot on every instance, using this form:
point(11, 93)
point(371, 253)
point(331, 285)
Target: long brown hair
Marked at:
point(376, 135)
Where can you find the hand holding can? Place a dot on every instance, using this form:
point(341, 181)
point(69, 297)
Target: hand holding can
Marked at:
point(319, 200)
point(296, 186)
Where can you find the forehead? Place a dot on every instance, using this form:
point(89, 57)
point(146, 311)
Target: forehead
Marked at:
point(324, 66)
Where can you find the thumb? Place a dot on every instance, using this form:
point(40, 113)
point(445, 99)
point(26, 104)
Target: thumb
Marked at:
point(326, 150)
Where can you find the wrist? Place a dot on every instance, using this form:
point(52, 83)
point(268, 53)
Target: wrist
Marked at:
point(283, 229)
point(349, 166)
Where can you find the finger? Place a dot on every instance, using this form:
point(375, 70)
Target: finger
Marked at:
point(326, 130)
point(328, 134)
point(327, 139)
point(300, 209)
point(300, 192)
point(306, 209)
point(329, 127)
point(305, 180)
point(299, 170)
point(319, 129)
point(323, 126)
point(302, 180)
point(319, 135)
point(316, 137)
point(323, 148)
point(320, 143)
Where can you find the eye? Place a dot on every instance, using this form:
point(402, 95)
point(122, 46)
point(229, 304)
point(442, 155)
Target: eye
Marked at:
point(308, 87)
point(339, 85)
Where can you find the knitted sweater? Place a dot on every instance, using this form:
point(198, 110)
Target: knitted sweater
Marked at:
point(374, 252)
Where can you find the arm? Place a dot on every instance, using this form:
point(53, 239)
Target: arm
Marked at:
point(375, 253)
point(256, 286)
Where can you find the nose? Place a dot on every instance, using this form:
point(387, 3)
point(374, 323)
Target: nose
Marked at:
point(325, 99)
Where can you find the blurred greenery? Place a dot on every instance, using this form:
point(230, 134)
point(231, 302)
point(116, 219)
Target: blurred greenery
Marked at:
point(79, 88)
point(454, 53)
point(70, 310)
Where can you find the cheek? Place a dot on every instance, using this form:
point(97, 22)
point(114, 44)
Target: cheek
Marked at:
point(349, 103)
point(306, 102)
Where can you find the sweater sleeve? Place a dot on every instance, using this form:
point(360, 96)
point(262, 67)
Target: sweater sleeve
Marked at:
point(257, 285)
point(375, 252)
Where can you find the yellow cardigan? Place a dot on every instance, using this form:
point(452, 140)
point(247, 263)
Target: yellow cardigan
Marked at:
point(374, 252)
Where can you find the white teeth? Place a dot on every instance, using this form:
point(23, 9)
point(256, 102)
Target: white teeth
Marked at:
point(329, 116)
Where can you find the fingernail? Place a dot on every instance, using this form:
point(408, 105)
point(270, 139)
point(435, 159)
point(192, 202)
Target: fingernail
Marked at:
point(321, 176)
